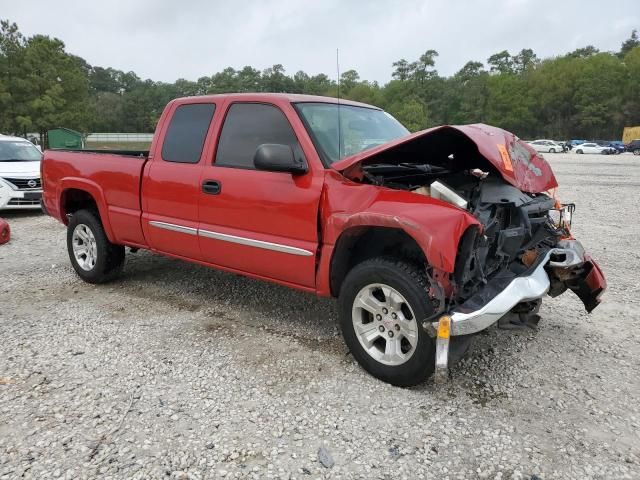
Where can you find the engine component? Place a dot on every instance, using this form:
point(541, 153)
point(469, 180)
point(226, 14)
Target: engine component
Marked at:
point(442, 192)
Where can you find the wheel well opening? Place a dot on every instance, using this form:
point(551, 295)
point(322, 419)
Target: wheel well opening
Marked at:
point(74, 200)
point(362, 243)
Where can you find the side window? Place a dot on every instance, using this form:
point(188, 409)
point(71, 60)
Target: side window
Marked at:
point(246, 127)
point(187, 131)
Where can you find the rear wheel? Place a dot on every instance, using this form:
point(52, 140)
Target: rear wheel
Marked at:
point(636, 151)
point(382, 304)
point(94, 258)
point(552, 150)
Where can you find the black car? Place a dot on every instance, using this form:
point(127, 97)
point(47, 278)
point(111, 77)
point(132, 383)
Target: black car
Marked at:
point(633, 147)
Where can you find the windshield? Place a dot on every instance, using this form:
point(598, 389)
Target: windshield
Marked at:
point(360, 128)
point(19, 152)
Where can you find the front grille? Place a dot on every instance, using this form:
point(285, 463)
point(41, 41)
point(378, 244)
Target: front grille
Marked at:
point(23, 183)
point(23, 201)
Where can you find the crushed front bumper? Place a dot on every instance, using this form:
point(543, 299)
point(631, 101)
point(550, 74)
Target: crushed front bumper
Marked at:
point(502, 294)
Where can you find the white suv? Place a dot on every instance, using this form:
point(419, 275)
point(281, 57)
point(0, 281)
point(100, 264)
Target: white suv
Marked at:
point(20, 185)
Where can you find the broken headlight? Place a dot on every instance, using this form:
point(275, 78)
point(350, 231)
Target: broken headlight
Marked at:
point(561, 217)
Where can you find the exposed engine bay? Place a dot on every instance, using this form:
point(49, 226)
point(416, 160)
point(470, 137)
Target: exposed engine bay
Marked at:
point(518, 228)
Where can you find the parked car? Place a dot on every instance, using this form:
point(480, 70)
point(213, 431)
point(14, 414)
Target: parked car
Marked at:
point(546, 146)
point(633, 147)
point(424, 238)
point(608, 144)
point(592, 148)
point(617, 145)
point(20, 185)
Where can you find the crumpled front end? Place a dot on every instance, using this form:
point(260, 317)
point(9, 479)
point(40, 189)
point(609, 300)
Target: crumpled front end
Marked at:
point(521, 248)
point(557, 269)
point(523, 252)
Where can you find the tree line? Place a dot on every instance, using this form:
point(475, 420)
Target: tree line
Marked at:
point(582, 94)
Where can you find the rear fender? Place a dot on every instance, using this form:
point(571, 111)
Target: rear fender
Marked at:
point(96, 193)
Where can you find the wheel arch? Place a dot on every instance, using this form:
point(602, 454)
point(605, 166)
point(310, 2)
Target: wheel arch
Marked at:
point(360, 243)
point(81, 194)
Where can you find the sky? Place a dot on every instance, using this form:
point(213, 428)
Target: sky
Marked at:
point(166, 40)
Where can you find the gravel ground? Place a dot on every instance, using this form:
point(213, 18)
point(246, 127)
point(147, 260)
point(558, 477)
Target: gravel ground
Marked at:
point(178, 371)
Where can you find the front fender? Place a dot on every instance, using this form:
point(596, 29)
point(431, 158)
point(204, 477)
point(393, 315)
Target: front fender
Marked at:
point(436, 226)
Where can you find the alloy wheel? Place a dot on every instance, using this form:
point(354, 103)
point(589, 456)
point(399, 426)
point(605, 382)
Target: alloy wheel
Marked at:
point(385, 324)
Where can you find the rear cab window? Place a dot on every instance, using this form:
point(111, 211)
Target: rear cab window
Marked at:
point(185, 137)
point(246, 127)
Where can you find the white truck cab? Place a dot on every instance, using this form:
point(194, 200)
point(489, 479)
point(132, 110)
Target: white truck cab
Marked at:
point(20, 184)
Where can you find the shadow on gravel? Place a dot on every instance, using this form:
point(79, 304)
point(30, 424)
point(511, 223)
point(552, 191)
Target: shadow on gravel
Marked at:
point(224, 298)
point(16, 214)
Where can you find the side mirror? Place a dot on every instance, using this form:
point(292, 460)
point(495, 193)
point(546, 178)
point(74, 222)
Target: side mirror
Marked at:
point(274, 157)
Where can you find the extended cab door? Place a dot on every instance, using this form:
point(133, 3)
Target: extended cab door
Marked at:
point(171, 181)
point(261, 223)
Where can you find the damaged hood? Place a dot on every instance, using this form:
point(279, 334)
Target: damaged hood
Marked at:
point(516, 161)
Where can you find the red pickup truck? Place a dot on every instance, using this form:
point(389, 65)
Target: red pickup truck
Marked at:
point(424, 238)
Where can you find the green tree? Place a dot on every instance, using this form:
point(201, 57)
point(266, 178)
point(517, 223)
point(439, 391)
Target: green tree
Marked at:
point(501, 62)
point(423, 69)
point(584, 52)
point(402, 70)
point(629, 44)
point(524, 60)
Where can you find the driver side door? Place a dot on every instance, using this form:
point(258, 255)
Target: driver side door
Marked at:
point(261, 223)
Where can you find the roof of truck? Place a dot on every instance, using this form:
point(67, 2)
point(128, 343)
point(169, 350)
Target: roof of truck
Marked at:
point(287, 97)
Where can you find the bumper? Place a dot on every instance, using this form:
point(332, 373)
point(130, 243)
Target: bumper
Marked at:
point(11, 199)
point(588, 285)
point(569, 261)
point(521, 289)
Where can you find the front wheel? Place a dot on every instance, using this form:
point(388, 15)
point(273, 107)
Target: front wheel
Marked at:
point(552, 150)
point(636, 151)
point(579, 151)
point(382, 304)
point(94, 258)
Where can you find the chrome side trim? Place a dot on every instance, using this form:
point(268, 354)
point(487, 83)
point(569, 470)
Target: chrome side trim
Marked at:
point(173, 227)
point(276, 247)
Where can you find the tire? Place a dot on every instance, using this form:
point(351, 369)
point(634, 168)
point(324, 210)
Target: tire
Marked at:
point(401, 320)
point(636, 151)
point(552, 150)
point(102, 260)
point(579, 151)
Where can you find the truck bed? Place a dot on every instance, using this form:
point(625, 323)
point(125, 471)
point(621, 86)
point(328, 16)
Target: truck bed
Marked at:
point(111, 177)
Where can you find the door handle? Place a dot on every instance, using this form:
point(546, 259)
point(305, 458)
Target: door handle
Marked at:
point(212, 187)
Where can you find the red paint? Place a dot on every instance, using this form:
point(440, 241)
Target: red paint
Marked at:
point(308, 212)
point(5, 231)
point(595, 280)
point(517, 162)
point(435, 225)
